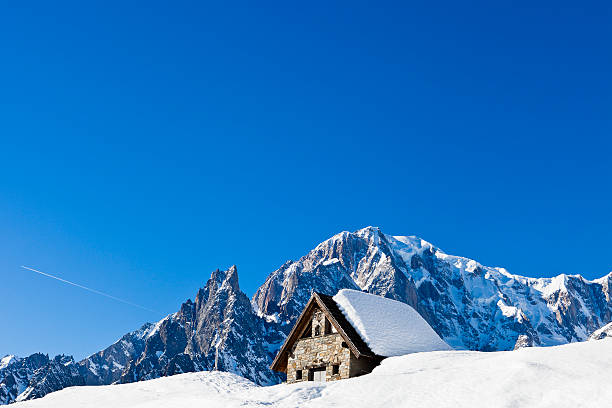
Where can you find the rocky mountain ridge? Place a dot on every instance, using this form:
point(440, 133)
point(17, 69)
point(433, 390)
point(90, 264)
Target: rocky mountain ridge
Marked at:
point(469, 305)
point(218, 331)
point(604, 332)
point(37, 375)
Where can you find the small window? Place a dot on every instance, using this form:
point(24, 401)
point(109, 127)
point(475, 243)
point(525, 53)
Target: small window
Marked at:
point(298, 375)
point(317, 330)
point(328, 327)
point(336, 369)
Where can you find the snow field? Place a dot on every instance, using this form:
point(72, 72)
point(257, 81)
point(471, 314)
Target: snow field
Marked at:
point(575, 375)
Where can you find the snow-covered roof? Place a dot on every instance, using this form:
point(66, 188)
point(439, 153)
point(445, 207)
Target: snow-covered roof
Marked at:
point(390, 328)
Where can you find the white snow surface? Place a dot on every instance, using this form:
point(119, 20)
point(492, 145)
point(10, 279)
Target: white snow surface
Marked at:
point(331, 261)
point(605, 331)
point(6, 360)
point(574, 375)
point(389, 327)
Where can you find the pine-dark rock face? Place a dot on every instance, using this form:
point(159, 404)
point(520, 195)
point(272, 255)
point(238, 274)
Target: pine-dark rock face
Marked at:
point(471, 306)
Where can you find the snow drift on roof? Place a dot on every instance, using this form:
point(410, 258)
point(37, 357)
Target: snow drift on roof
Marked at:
point(389, 327)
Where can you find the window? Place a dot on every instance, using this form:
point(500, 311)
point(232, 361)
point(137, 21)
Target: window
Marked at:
point(317, 330)
point(298, 375)
point(336, 369)
point(328, 327)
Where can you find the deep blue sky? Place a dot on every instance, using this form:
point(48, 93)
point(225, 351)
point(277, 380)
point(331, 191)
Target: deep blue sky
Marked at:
point(144, 145)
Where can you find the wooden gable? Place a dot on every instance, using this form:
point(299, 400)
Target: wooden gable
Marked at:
point(335, 316)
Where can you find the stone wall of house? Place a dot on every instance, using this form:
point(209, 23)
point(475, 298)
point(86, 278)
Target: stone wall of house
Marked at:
point(324, 350)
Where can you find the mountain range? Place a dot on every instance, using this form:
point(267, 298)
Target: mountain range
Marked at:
point(471, 306)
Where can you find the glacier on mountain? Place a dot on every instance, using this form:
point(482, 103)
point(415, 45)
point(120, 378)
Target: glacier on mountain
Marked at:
point(471, 306)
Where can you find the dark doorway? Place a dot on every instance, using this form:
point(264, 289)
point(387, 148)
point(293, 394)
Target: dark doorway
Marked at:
point(317, 374)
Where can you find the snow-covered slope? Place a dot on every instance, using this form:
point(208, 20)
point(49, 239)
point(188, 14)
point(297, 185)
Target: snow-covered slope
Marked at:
point(604, 332)
point(572, 376)
point(390, 328)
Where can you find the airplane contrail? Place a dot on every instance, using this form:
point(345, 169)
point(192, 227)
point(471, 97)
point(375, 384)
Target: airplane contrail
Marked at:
point(90, 289)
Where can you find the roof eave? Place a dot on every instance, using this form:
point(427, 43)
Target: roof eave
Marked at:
point(282, 351)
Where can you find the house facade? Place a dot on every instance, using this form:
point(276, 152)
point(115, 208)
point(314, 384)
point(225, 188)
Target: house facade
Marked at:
point(324, 346)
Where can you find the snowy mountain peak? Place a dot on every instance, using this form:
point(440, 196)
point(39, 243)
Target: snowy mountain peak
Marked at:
point(226, 280)
point(371, 234)
point(470, 305)
point(7, 360)
point(368, 231)
point(605, 280)
point(207, 334)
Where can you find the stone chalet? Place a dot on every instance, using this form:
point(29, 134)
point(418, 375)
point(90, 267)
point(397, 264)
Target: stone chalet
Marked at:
point(324, 346)
point(349, 334)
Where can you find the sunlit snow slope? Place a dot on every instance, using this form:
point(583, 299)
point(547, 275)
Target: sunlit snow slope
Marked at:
point(574, 375)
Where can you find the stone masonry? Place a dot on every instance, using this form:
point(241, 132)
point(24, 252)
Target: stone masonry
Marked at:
point(319, 347)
